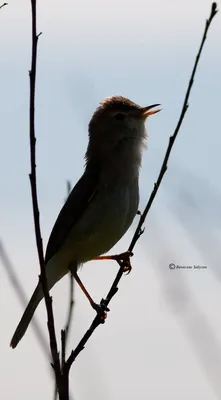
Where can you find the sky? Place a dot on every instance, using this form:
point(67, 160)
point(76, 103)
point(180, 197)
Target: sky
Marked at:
point(161, 337)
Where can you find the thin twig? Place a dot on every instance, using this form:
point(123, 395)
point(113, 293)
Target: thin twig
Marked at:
point(43, 277)
point(3, 5)
point(63, 348)
point(172, 139)
point(113, 290)
point(71, 307)
point(64, 337)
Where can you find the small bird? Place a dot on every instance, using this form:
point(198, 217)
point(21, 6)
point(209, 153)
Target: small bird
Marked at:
point(103, 203)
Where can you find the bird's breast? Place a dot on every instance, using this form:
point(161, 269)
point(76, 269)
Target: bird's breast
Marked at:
point(107, 218)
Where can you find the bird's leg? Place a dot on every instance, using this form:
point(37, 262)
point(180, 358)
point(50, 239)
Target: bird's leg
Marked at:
point(123, 259)
point(83, 288)
point(100, 309)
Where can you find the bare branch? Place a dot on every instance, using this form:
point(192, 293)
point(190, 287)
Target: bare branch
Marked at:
point(3, 5)
point(43, 277)
point(71, 307)
point(173, 137)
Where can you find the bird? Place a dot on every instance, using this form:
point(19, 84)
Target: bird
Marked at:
point(102, 205)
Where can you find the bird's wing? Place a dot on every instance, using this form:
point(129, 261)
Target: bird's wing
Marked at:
point(73, 209)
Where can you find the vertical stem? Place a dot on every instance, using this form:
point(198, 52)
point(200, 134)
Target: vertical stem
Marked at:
point(43, 277)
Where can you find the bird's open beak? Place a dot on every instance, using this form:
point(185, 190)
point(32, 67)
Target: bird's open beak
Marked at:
point(147, 111)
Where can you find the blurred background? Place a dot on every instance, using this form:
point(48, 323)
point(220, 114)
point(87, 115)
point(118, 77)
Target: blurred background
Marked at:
point(162, 336)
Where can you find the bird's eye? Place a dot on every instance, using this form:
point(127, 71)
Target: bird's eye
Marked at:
point(119, 117)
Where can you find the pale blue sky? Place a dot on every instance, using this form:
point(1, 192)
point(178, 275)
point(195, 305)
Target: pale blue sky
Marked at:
point(143, 50)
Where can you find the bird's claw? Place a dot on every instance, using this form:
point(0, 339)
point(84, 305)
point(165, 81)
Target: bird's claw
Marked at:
point(127, 268)
point(124, 259)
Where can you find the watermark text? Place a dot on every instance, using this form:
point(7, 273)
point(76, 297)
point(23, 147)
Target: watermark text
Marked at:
point(194, 266)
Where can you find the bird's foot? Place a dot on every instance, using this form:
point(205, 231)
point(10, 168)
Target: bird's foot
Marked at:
point(123, 259)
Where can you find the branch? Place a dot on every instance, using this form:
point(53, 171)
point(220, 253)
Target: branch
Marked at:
point(3, 5)
point(32, 176)
point(70, 309)
point(124, 261)
point(172, 139)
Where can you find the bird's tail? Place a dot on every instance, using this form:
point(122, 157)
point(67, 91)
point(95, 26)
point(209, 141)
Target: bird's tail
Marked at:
point(27, 316)
point(55, 270)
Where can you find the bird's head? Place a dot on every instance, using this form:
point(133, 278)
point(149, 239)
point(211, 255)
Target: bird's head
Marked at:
point(117, 124)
